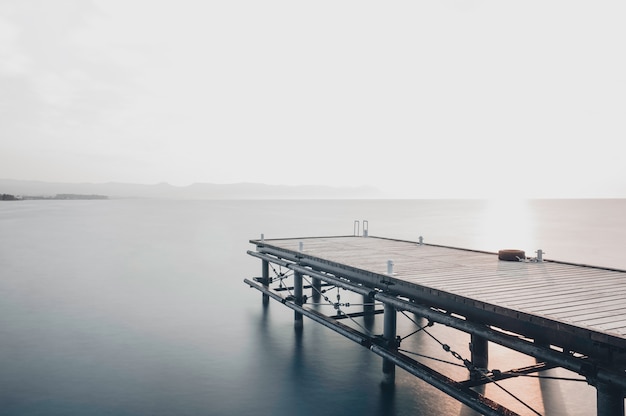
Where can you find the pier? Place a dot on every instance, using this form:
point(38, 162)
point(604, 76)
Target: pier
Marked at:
point(564, 315)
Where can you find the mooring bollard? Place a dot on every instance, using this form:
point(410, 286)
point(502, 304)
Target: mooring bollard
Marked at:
point(539, 255)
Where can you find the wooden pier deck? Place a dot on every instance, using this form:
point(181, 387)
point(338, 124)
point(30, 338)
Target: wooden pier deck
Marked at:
point(590, 300)
point(571, 315)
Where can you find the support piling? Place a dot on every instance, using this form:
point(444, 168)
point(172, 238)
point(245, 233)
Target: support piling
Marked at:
point(389, 334)
point(298, 295)
point(265, 274)
point(610, 400)
point(317, 289)
point(479, 348)
point(369, 309)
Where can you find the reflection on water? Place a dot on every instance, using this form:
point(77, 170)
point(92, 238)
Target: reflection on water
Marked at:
point(466, 411)
point(551, 394)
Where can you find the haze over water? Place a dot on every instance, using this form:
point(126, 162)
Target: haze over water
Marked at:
point(137, 307)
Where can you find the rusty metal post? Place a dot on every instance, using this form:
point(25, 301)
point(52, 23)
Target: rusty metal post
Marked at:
point(389, 334)
point(479, 347)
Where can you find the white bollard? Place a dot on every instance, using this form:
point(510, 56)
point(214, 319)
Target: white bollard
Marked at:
point(390, 267)
point(539, 255)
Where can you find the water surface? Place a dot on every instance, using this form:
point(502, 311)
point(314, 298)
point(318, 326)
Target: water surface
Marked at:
point(137, 307)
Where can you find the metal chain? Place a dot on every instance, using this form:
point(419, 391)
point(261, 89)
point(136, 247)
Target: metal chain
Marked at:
point(470, 366)
point(338, 305)
point(282, 276)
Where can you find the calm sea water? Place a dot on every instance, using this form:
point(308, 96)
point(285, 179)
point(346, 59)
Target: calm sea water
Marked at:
point(137, 307)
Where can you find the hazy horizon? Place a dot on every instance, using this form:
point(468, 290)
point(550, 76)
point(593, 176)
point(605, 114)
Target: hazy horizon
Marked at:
point(254, 190)
point(444, 99)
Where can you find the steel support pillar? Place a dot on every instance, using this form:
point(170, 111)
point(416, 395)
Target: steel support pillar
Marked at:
point(610, 400)
point(368, 311)
point(368, 305)
point(298, 295)
point(265, 274)
point(317, 289)
point(479, 347)
point(389, 334)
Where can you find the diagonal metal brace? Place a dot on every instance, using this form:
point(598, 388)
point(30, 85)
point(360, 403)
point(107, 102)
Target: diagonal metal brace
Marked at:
point(503, 375)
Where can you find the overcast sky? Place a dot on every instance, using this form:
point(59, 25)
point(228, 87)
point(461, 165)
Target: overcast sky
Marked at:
point(429, 98)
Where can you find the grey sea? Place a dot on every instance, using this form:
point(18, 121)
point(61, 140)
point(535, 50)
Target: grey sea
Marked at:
point(138, 307)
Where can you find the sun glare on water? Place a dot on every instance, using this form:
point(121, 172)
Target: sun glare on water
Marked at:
point(507, 224)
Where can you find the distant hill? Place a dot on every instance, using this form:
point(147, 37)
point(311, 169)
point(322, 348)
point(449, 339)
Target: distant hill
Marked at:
point(194, 191)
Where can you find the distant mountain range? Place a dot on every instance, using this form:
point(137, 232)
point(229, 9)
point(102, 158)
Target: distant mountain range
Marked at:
point(194, 191)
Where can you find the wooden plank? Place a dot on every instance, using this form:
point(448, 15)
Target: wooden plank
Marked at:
point(584, 304)
point(612, 318)
point(594, 314)
point(540, 300)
